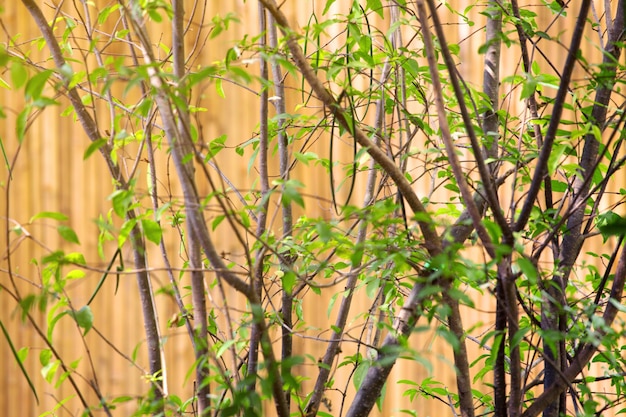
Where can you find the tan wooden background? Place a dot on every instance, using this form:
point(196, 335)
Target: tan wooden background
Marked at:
point(50, 175)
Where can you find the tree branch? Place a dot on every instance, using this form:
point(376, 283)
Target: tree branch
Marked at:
point(91, 129)
point(259, 264)
point(431, 239)
point(485, 174)
point(546, 150)
point(587, 350)
point(196, 221)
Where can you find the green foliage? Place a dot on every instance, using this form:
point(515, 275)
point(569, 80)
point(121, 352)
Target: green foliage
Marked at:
point(20, 358)
point(353, 199)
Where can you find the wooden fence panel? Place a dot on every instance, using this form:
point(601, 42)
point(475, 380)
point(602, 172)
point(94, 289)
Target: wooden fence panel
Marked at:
point(50, 175)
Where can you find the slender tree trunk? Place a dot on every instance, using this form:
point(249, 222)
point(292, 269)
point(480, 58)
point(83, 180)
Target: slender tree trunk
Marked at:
point(201, 344)
point(139, 250)
point(286, 262)
point(257, 277)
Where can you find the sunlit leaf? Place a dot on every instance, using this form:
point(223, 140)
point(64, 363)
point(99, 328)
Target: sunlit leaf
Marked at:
point(36, 84)
point(48, 215)
point(19, 75)
point(21, 123)
point(84, 318)
point(152, 230)
point(68, 234)
point(327, 6)
point(611, 224)
point(94, 146)
point(19, 358)
point(376, 6)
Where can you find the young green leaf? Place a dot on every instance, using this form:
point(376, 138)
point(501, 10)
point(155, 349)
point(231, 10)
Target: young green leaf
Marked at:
point(611, 224)
point(35, 86)
point(19, 361)
point(359, 374)
point(94, 146)
point(19, 75)
point(68, 234)
point(327, 6)
point(48, 215)
point(289, 281)
point(152, 230)
point(84, 318)
point(21, 123)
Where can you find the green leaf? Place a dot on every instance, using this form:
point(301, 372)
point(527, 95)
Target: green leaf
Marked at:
point(18, 74)
point(535, 69)
point(216, 145)
point(356, 258)
point(53, 319)
point(121, 200)
point(493, 229)
point(50, 370)
point(327, 6)
point(68, 75)
point(19, 361)
point(20, 124)
point(324, 231)
point(224, 347)
point(306, 157)
point(74, 364)
point(68, 234)
point(559, 186)
point(48, 215)
point(75, 274)
point(104, 13)
point(289, 281)
point(555, 157)
point(122, 33)
point(84, 318)
point(75, 258)
point(548, 80)
point(122, 399)
point(4, 56)
point(290, 192)
point(331, 304)
point(219, 88)
point(245, 219)
point(216, 221)
point(359, 374)
point(481, 373)
point(42, 102)
point(94, 146)
point(35, 86)
point(125, 230)
point(152, 230)
point(619, 306)
point(528, 87)
point(527, 268)
point(7, 164)
point(154, 15)
point(611, 224)
point(22, 354)
point(373, 284)
point(45, 356)
point(376, 6)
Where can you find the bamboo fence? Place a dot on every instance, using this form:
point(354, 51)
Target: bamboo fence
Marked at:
point(51, 175)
